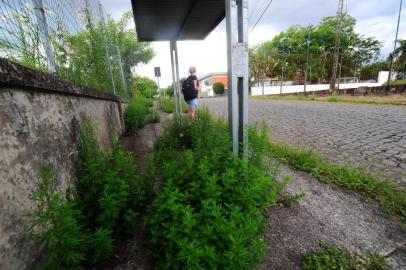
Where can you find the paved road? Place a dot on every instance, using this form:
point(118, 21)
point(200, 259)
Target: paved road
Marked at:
point(372, 137)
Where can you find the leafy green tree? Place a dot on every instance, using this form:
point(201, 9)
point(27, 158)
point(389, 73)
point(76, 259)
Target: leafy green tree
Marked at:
point(400, 55)
point(370, 71)
point(169, 91)
point(132, 51)
point(290, 48)
point(145, 87)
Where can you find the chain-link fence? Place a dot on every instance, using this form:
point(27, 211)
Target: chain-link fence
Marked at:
point(71, 38)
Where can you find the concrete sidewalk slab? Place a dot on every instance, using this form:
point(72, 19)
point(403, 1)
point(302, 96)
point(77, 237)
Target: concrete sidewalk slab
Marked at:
point(331, 215)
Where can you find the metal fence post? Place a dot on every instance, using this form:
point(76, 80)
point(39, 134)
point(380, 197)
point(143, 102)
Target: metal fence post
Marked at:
point(122, 71)
point(107, 48)
point(237, 56)
point(46, 40)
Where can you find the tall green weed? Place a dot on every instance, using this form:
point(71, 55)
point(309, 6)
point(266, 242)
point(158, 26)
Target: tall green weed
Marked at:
point(79, 230)
point(208, 215)
point(138, 114)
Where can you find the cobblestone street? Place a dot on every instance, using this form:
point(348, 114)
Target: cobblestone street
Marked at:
point(372, 137)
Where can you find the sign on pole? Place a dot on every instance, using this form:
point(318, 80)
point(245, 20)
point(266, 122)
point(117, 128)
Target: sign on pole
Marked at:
point(157, 71)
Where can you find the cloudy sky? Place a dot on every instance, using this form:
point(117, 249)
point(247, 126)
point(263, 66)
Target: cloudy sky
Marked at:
point(375, 18)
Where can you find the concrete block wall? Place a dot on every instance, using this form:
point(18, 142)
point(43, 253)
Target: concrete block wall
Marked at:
point(39, 124)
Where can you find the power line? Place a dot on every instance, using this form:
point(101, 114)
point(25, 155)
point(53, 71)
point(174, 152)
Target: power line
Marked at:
point(269, 3)
point(258, 5)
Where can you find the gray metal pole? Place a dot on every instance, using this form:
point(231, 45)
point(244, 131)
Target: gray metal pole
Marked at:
point(106, 43)
point(178, 80)
point(394, 49)
point(237, 56)
point(122, 71)
point(283, 64)
point(160, 94)
point(46, 39)
point(307, 61)
point(174, 82)
point(283, 67)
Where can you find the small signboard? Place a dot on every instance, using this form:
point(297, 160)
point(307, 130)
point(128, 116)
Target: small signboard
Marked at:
point(157, 71)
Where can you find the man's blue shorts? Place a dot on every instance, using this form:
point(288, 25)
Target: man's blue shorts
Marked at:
point(192, 103)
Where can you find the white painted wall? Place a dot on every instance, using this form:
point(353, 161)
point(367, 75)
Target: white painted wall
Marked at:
point(291, 89)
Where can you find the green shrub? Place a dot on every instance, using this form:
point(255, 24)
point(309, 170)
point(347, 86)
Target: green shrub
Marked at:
point(144, 86)
point(218, 88)
point(208, 215)
point(81, 229)
point(109, 185)
point(136, 112)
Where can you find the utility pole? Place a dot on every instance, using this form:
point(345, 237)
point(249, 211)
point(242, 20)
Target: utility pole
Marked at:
point(392, 55)
point(307, 60)
point(284, 62)
point(337, 45)
point(46, 40)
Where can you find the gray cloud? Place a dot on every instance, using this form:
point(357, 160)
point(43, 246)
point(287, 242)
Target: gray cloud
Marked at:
point(283, 13)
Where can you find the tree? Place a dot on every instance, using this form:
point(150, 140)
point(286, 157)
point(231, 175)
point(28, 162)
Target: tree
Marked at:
point(145, 87)
point(290, 48)
point(169, 91)
point(400, 55)
point(262, 62)
point(132, 51)
point(371, 71)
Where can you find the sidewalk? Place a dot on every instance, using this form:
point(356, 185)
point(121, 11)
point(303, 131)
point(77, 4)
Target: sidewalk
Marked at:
point(328, 214)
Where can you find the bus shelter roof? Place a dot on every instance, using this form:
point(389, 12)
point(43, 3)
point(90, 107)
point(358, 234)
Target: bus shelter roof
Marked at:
point(163, 20)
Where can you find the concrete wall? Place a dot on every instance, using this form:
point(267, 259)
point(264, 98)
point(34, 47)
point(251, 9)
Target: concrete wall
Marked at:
point(39, 121)
point(292, 89)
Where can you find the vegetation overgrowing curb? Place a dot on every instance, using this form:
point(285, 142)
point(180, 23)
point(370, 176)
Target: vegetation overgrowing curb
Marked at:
point(208, 214)
point(330, 257)
point(139, 112)
point(385, 193)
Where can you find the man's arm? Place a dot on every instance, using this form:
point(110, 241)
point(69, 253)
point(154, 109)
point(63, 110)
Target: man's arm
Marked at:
point(197, 86)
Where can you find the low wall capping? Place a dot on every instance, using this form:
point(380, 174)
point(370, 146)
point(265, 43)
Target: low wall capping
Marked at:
point(12, 74)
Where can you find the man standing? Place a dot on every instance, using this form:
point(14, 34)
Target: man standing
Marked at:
point(190, 90)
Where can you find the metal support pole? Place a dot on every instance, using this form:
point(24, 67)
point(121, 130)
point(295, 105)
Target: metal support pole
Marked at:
point(307, 61)
point(283, 67)
point(46, 40)
point(122, 71)
point(178, 81)
point(106, 43)
point(394, 49)
point(175, 76)
point(237, 56)
point(160, 94)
